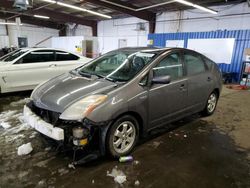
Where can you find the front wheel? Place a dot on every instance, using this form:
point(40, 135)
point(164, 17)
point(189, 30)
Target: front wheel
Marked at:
point(211, 104)
point(122, 136)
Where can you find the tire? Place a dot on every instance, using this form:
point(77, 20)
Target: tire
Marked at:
point(210, 104)
point(122, 136)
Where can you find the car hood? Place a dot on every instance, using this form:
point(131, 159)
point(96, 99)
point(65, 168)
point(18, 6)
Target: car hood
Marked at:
point(60, 92)
point(3, 63)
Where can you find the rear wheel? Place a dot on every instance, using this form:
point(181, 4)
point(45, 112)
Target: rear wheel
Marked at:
point(211, 104)
point(122, 136)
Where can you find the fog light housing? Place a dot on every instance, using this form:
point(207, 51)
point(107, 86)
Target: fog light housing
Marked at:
point(80, 136)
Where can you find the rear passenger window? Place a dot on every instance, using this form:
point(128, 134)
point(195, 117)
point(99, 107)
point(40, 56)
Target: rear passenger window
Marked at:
point(65, 56)
point(194, 64)
point(170, 65)
point(38, 56)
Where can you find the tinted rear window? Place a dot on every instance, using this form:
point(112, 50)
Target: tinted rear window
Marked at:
point(65, 56)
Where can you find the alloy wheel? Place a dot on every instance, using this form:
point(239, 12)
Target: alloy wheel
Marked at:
point(124, 137)
point(211, 103)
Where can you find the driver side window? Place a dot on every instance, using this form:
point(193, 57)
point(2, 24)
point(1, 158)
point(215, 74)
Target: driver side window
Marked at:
point(171, 65)
point(38, 56)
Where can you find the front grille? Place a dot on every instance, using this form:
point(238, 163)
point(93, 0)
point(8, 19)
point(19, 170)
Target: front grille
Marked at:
point(47, 115)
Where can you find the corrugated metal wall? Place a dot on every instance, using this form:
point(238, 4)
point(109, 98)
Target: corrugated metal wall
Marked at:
point(242, 41)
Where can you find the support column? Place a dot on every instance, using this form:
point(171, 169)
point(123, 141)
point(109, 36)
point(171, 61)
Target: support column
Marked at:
point(94, 29)
point(152, 24)
point(62, 30)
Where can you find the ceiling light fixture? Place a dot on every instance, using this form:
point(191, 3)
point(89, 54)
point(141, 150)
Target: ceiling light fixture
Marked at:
point(40, 16)
point(49, 1)
point(196, 6)
point(77, 8)
point(83, 9)
point(8, 23)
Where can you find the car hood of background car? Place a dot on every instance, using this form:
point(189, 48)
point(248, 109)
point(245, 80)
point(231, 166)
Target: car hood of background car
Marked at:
point(3, 64)
point(60, 92)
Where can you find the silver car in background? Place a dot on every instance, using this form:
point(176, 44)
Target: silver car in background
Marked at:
point(112, 101)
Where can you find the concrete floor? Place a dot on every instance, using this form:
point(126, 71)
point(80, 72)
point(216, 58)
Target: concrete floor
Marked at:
point(195, 152)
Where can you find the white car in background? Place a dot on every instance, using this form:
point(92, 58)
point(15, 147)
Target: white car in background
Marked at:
point(25, 68)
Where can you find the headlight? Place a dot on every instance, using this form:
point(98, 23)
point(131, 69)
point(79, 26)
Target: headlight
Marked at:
point(80, 136)
point(78, 132)
point(83, 108)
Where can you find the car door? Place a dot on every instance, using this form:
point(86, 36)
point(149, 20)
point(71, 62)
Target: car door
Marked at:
point(199, 79)
point(66, 61)
point(167, 101)
point(30, 70)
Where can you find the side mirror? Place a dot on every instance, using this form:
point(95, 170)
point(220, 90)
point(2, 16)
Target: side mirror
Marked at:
point(161, 80)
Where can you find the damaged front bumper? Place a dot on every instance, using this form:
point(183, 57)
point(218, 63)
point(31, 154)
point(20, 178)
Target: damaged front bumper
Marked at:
point(41, 126)
point(92, 141)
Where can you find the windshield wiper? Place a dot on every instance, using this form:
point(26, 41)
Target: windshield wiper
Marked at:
point(98, 75)
point(110, 79)
point(104, 77)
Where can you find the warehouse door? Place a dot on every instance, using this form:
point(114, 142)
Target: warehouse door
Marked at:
point(22, 42)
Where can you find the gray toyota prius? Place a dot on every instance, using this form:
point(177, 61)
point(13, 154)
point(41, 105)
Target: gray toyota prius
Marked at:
point(106, 105)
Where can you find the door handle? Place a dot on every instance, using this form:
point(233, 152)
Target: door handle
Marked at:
point(4, 78)
point(52, 65)
point(182, 87)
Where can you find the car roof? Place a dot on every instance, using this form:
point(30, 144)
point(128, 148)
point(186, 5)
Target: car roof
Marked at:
point(43, 48)
point(137, 49)
point(157, 50)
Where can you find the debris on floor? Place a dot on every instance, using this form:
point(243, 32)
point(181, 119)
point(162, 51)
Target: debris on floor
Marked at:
point(20, 102)
point(137, 162)
point(11, 138)
point(43, 163)
point(4, 116)
point(93, 181)
point(24, 149)
point(47, 149)
point(71, 166)
point(62, 171)
point(22, 174)
point(156, 144)
point(125, 159)
point(33, 135)
point(5, 125)
point(118, 175)
point(22, 127)
point(137, 183)
point(42, 183)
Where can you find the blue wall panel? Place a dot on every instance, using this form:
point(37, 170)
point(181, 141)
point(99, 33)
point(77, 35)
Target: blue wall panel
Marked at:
point(242, 41)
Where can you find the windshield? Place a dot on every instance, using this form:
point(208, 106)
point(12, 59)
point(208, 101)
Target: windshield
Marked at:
point(118, 66)
point(13, 55)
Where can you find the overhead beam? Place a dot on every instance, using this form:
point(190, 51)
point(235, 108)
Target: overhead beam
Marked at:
point(55, 16)
point(62, 17)
point(144, 14)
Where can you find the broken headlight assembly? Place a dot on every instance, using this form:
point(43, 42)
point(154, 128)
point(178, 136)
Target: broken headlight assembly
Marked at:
point(80, 136)
point(83, 107)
